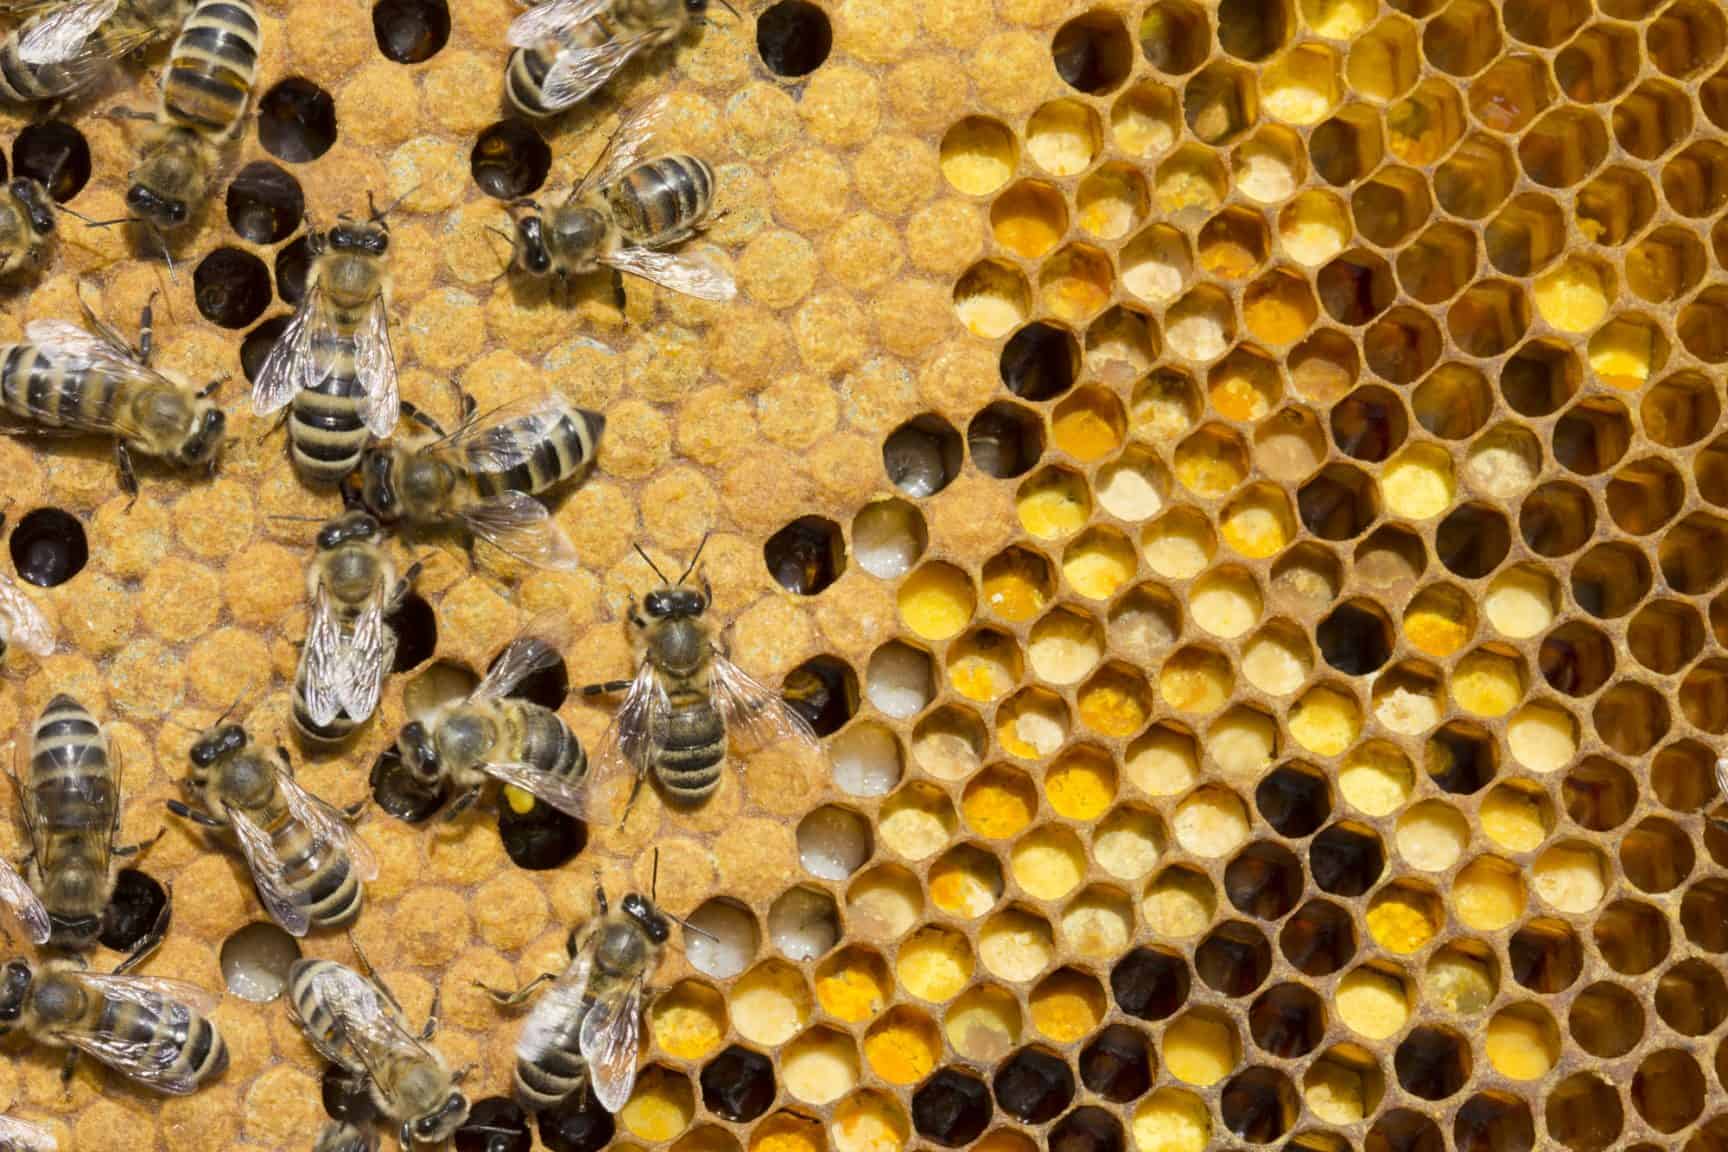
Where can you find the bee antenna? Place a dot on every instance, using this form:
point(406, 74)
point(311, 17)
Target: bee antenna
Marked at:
point(244, 692)
point(650, 562)
point(698, 556)
point(77, 215)
point(299, 519)
point(379, 217)
point(689, 927)
point(654, 877)
point(730, 9)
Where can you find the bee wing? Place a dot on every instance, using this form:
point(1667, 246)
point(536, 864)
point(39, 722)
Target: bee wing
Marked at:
point(269, 874)
point(323, 659)
point(22, 1136)
point(1722, 776)
point(610, 1039)
point(519, 525)
point(360, 677)
point(71, 348)
point(375, 363)
point(327, 824)
point(338, 1136)
point(628, 744)
point(754, 712)
point(27, 624)
point(372, 1027)
point(568, 796)
point(506, 437)
point(544, 21)
point(695, 273)
point(625, 147)
point(541, 645)
point(58, 35)
point(17, 895)
point(290, 365)
point(544, 1032)
point(575, 75)
point(168, 1004)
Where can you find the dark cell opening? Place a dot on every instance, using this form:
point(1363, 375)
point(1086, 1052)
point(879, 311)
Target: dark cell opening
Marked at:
point(1319, 939)
point(1632, 937)
point(1338, 503)
point(137, 902)
point(540, 838)
point(1346, 859)
point(1005, 439)
point(1264, 880)
point(1473, 540)
point(231, 287)
point(951, 1108)
point(416, 628)
point(265, 204)
point(494, 1124)
point(823, 690)
point(296, 121)
point(1040, 361)
point(398, 793)
point(1087, 1129)
point(1432, 1063)
point(1150, 984)
point(1234, 959)
point(1295, 799)
point(579, 1124)
point(1356, 638)
point(548, 684)
point(794, 38)
point(293, 263)
point(1287, 1020)
point(738, 1085)
point(1369, 424)
point(922, 456)
point(1545, 956)
point(347, 1097)
point(1093, 52)
point(1460, 758)
point(256, 347)
point(806, 556)
point(510, 160)
point(1118, 1064)
point(48, 547)
point(55, 155)
point(1599, 794)
point(1259, 1105)
point(410, 31)
point(1493, 1122)
point(1034, 1085)
point(1404, 1130)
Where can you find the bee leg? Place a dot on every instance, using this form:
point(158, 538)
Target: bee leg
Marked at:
point(431, 1028)
point(127, 114)
point(203, 819)
point(510, 999)
point(413, 412)
point(152, 940)
point(462, 804)
point(635, 790)
point(272, 430)
point(128, 478)
point(373, 975)
point(146, 330)
point(618, 295)
point(68, 1067)
point(354, 811)
point(607, 688)
point(142, 846)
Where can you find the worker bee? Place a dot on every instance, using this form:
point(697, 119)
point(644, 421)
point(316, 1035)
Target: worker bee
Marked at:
point(153, 1031)
point(70, 797)
point(353, 587)
point(357, 1025)
point(491, 735)
point(305, 860)
point(340, 1136)
point(566, 49)
point(65, 46)
point(22, 1136)
point(587, 1028)
point(334, 361)
point(685, 699)
point(485, 474)
point(22, 624)
point(205, 90)
point(625, 214)
point(26, 221)
point(68, 380)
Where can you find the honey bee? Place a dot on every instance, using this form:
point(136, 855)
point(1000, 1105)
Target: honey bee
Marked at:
point(625, 214)
point(153, 1031)
point(65, 379)
point(339, 1136)
point(306, 862)
point(22, 1136)
point(353, 587)
point(22, 624)
point(26, 222)
point(65, 46)
point(566, 49)
point(587, 1028)
point(685, 700)
point(491, 735)
point(357, 1025)
point(334, 361)
point(70, 797)
point(485, 474)
point(205, 90)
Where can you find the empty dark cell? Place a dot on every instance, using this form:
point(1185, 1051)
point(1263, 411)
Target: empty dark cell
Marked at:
point(951, 1108)
point(347, 1097)
point(1252, 29)
point(738, 1085)
point(1545, 956)
point(510, 160)
point(1294, 800)
point(1493, 1122)
point(794, 38)
point(1432, 1063)
point(1356, 638)
point(1093, 52)
point(1404, 1130)
point(293, 263)
point(494, 1125)
point(296, 121)
point(265, 204)
point(1264, 881)
point(232, 287)
point(48, 547)
point(1234, 959)
point(1118, 1064)
point(1149, 984)
point(579, 1124)
point(255, 349)
point(1346, 859)
point(1287, 1020)
point(1005, 440)
point(410, 31)
point(398, 793)
point(1369, 424)
point(1034, 1085)
point(1259, 1105)
point(1473, 540)
point(55, 155)
point(1087, 1129)
point(823, 690)
point(548, 684)
point(806, 556)
point(1460, 758)
point(133, 910)
point(416, 628)
point(1040, 361)
point(541, 837)
point(1319, 939)
point(922, 456)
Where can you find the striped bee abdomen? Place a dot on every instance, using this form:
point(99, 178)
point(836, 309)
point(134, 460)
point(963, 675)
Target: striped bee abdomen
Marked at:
point(176, 1036)
point(556, 455)
point(692, 747)
point(71, 784)
point(35, 389)
point(316, 1019)
point(321, 876)
point(327, 431)
point(663, 201)
point(341, 725)
point(525, 74)
point(549, 744)
point(559, 1071)
point(212, 67)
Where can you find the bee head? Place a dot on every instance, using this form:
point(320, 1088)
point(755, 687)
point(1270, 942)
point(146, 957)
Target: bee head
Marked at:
point(640, 909)
point(36, 203)
point(419, 752)
point(696, 6)
point(531, 253)
point(354, 525)
point(439, 1124)
point(370, 238)
point(164, 211)
point(15, 981)
point(218, 744)
point(200, 445)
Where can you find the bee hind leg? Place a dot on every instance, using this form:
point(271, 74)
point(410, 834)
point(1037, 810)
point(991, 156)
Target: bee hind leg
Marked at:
point(143, 846)
point(128, 478)
point(68, 1068)
point(506, 999)
point(186, 812)
point(414, 413)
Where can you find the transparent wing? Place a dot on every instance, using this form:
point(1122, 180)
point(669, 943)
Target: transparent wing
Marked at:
point(541, 645)
point(17, 895)
point(360, 677)
point(371, 1026)
point(575, 75)
point(625, 147)
point(22, 1136)
point(71, 348)
point(26, 623)
point(544, 21)
point(269, 874)
point(375, 364)
point(1722, 776)
point(290, 365)
point(167, 1005)
point(327, 824)
point(610, 1040)
point(562, 793)
point(337, 1136)
point(695, 273)
point(755, 714)
point(519, 525)
point(59, 34)
point(322, 659)
point(628, 744)
point(552, 1016)
point(156, 993)
point(505, 437)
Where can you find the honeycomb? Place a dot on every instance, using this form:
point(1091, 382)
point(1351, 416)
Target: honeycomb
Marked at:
point(1233, 485)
